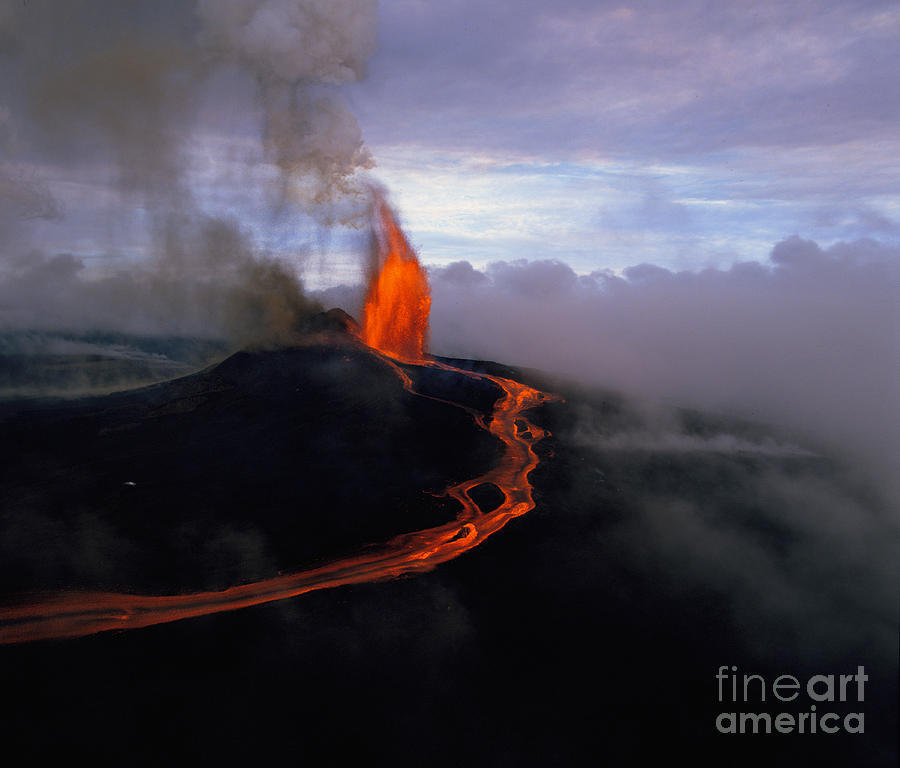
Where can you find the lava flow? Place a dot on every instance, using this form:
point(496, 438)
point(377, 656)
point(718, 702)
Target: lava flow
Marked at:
point(396, 324)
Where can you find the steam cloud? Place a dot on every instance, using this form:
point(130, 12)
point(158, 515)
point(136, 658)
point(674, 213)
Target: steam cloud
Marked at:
point(807, 340)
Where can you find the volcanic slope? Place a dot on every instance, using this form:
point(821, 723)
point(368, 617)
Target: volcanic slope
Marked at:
point(271, 460)
point(663, 544)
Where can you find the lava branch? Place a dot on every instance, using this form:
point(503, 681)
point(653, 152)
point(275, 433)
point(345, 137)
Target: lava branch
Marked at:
point(75, 614)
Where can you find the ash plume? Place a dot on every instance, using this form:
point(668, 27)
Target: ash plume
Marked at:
point(102, 82)
point(204, 278)
point(109, 96)
point(296, 50)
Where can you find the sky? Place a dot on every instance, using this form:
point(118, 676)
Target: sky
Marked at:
point(695, 201)
point(687, 134)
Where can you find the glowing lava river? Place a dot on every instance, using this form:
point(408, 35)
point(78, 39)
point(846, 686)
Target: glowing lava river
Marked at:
point(74, 614)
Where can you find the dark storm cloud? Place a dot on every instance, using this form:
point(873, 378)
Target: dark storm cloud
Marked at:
point(808, 340)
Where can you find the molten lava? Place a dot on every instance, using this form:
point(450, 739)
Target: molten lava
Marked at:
point(396, 324)
point(398, 300)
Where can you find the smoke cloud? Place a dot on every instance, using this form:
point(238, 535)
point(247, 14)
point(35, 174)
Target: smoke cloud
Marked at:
point(123, 79)
point(102, 82)
point(204, 278)
point(100, 91)
point(294, 50)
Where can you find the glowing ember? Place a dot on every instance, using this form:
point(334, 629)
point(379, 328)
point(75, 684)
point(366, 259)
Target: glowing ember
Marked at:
point(398, 301)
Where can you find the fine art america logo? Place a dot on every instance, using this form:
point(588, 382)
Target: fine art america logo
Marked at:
point(737, 691)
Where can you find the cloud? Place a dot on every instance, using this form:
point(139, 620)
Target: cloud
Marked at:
point(674, 442)
point(101, 105)
point(120, 92)
point(732, 125)
point(203, 279)
point(677, 79)
point(295, 50)
point(126, 90)
point(808, 340)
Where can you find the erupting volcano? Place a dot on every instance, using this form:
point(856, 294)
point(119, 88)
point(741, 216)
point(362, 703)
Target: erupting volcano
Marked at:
point(395, 329)
point(398, 301)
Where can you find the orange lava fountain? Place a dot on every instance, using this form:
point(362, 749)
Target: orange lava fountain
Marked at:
point(397, 328)
point(398, 300)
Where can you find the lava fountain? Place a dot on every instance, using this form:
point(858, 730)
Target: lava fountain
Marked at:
point(398, 299)
point(396, 327)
